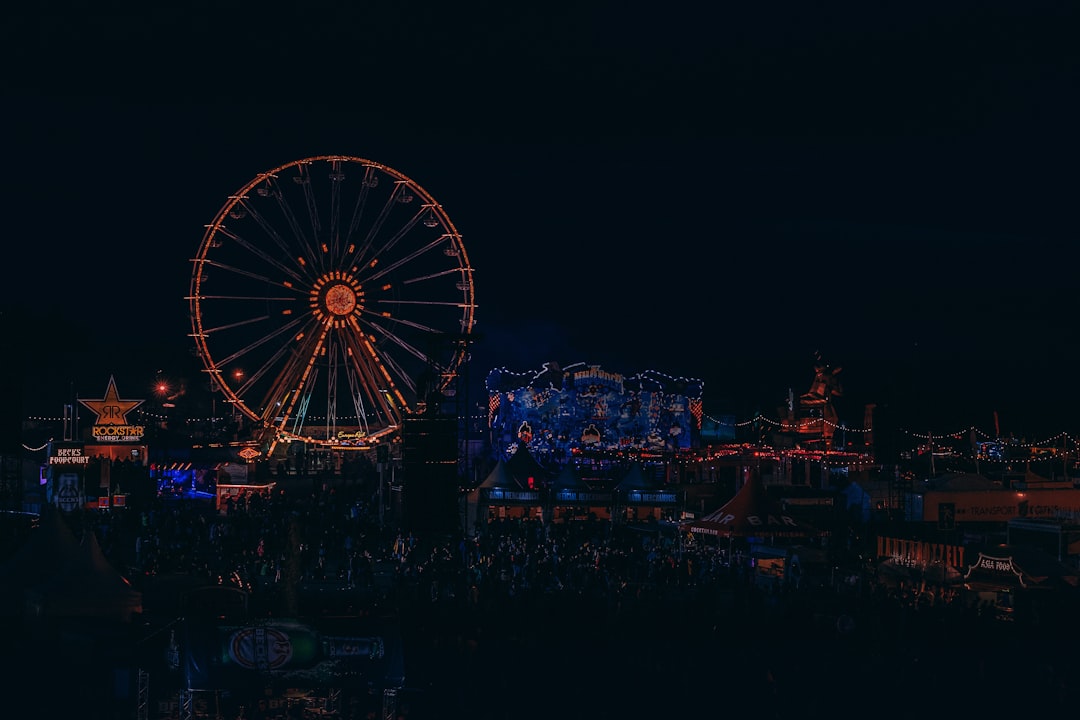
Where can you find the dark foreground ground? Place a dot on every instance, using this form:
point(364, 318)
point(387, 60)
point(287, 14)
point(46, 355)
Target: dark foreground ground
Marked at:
point(709, 653)
point(651, 650)
point(690, 652)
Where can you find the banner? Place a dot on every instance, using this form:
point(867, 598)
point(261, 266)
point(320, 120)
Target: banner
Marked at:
point(220, 655)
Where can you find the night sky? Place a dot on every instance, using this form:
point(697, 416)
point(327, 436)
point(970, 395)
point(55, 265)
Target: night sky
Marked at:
point(719, 197)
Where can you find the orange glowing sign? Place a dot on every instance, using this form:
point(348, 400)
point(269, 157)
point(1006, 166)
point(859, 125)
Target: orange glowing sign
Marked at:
point(112, 424)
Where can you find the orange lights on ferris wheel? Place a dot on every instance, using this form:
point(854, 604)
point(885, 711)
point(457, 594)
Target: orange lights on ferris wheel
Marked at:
point(339, 332)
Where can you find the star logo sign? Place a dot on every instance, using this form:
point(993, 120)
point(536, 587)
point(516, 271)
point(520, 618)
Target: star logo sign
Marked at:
point(111, 410)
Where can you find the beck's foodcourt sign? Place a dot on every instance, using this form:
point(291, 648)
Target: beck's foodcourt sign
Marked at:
point(111, 424)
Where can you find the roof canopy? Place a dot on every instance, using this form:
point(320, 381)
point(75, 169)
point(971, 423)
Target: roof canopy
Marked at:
point(750, 513)
point(522, 465)
point(500, 477)
point(569, 478)
point(65, 576)
point(636, 479)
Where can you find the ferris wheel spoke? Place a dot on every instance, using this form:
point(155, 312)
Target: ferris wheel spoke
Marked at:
point(259, 342)
point(234, 325)
point(266, 225)
point(406, 378)
point(433, 276)
point(357, 391)
point(294, 225)
point(299, 369)
point(379, 380)
point(255, 377)
point(243, 273)
point(336, 176)
point(247, 297)
point(363, 360)
point(361, 253)
point(369, 181)
point(309, 200)
point(397, 340)
point(258, 252)
point(432, 303)
point(375, 384)
point(396, 237)
point(403, 321)
point(378, 372)
point(383, 271)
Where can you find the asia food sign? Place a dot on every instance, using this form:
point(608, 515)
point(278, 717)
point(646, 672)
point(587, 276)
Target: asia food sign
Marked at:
point(112, 423)
point(995, 564)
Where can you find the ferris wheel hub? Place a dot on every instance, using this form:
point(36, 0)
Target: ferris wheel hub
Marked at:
point(340, 299)
point(336, 296)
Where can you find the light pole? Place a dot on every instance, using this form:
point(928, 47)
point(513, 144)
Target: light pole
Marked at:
point(238, 375)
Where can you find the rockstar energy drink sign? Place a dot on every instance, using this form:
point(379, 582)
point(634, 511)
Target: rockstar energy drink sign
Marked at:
point(112, 424)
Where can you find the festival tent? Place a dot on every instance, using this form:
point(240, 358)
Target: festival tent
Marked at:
point(751, 513)
point(89, 586)
point(641, 495)
point(501, 488)
point(525, 467)
point(569, 490)
point(55, 574)
point(636, 479)
point(500, 478)
point(569, 478)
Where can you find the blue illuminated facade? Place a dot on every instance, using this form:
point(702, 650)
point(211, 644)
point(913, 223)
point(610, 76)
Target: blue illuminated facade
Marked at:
point(556, 411)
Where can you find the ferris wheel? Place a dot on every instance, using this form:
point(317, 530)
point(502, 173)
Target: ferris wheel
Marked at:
point(329, 298)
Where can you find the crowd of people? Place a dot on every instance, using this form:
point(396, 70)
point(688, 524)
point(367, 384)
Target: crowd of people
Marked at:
point(621, 620)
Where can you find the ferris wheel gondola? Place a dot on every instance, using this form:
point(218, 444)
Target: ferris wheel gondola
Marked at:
point(322, 294)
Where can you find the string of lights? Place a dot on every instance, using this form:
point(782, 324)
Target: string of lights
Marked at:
point(1060, 438)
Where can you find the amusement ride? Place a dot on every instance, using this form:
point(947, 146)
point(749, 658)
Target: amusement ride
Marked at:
point(329, 299)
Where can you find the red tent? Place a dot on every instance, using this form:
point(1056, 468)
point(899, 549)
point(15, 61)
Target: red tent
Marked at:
point(750, 513)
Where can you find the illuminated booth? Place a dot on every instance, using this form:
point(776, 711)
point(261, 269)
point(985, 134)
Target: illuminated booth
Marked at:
point(234, 490)
point(183, 479)
point(640, 496)
point(1019, 582)
point(926, 559)
point(570, 497)
point(762, 524)
point(93, 473)
point(526, 469)
point(502, 496)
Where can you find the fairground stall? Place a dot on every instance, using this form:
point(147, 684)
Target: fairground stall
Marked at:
point(502, 496)
point(640, 495)
point(571, 497)
point(1020, 583)
point(99, 466)
point(757, 530)
point(234, 489)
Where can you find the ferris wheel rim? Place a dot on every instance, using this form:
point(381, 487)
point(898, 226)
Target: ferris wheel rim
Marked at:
point(341, 297)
